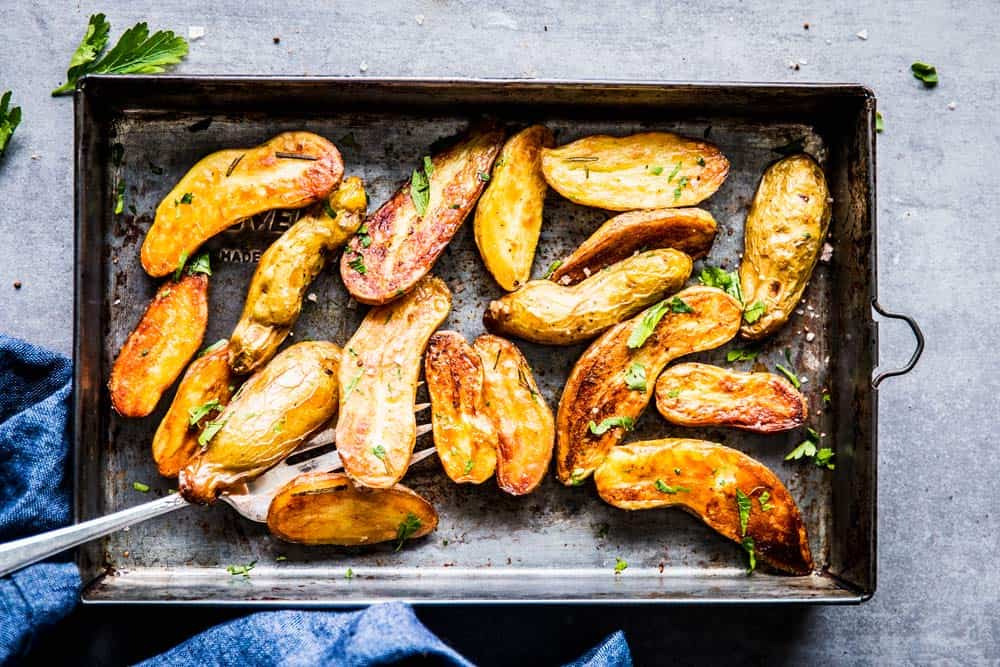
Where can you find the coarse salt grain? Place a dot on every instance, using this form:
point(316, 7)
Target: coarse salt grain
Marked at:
point(196, 32)
point(312, 297)
point(862, 35)
point(810, 337)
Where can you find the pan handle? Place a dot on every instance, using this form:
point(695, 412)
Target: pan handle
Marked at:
point(914, 358)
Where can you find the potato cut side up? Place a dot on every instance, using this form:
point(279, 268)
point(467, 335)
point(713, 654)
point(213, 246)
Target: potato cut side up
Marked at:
point(711, 482)
point(403, 241)
point(376, 430)
point(292, 170)
point(545, 312)
point(156, 352)
point(647, 170)
point(613, 381)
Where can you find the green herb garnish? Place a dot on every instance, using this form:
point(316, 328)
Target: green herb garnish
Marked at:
point(701, 161)
point(139, 486)
point(217, 345)
point(747, 354)
point(9, 120)
point(713, 276)
point(635, 377)
point(364, 237)
point(420, 191)
point(626, 423)
point(577, 476)
point(753, 312)
point(644, 329)
point(468, 466)
point(790, 375)
point(428, 166)
point(663, 487)
point(244, 570)
point(358, 264)
point(824, 457)
point(673, 393)
point(329, 210)
point(677, 168)
point(806, 448)
point(552, 269)
point(765, 501)
point(186, 198)
point(379, 452)
point(349, 574)
point(681, 184)
point(826, 398)
point(678, 305)
point(879, 122)
point(748, 546)
point(211, 428)
point(926, 73)
point(407, 528)
point(196, 413)
point(743, 504)
point(120, 197)
point(483, 176)
point(201, 264)
point(655, 171)
point(279, 426)
point(352, 384)
point(280, 559)
point(620, 565)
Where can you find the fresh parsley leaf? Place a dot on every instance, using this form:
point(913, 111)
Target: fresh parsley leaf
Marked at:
point(677, 168)
point(806, 448)
point(280, 559)
point(211, 428)
point(187, 198)
point(791, 148)
point(358, 264)
point(196, 413)
point(644, 329)
point(792, 377)
point(9, 120)
point(753, 312)
point(824, 457)
point(663, 487)
point(673, 393)
point(244, 570)
point(468, 466)
point(879, 123)
point(201, 264)
point(681, 184)
point(655, 171)
point(747, 354)
point(379, 452)
point(420, 191)
point(94, 41)
point(483, 176)
point(713, 276)
point(678, 305)
point(826, 398)
point(577, 476)
point(407, 528)
point(364, 237)
point(926, 73)
point(748, 546)
point(428, 166)
point(744, 505)
point(139, 486)
point(552, 269)
point(765, 501)
point(627, 423)
point(329, 210)
point(349, 574)
point(120, 197)
point(620, 565)
point(635, 377)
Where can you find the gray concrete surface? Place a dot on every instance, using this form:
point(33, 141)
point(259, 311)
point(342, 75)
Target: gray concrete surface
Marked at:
point(939, 585)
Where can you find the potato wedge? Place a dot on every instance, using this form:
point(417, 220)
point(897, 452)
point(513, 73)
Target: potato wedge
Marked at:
point(464, 433)
point(784, 234)
point(201, 395)
point(509, 215)
point(285, 271)
point(376, 430)
point(274, 411)
point(524, 421)
point(690, 230)
point(705, 395)
point(611, 384)
point(227, 186)
point(405, 244)
point(156, 352)
point(704, 478)
point(328, 508)
point(647, 170)
point(545, 312)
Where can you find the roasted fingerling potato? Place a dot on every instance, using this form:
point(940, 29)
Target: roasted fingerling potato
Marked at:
point(783, 237)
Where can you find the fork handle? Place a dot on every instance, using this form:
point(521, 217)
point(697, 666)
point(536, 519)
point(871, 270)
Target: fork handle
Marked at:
point(28, 550)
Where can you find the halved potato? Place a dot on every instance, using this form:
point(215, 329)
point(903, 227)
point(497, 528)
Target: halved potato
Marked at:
point(611, 384)
point(545, 312)
point(376, 430)
point(292, 170)
point(784, 234)
point(509, 215)
point(647, 170)
point(705, 395)
point(464, 433)
point(404, 243)
point(690, 230)
point(156, 352)
point(285, 271)
point(704, 478)
point(524, 421)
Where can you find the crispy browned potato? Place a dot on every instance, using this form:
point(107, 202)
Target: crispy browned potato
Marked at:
point(647, 170)
point(784, 234)
point(405, 242)
point(711, 482)
point(376, 430)
point(611, 384)
point(327, 508)
point(705, 395)
point(285, 271)
point(509, 215)
point(160, 346)
point(524, 422)
point(690, 230)
point(202, 394)
point(274, 411)
point(292, 170)
point(545, 312)
point(464, 433)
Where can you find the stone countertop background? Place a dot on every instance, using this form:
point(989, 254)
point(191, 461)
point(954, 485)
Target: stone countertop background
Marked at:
point(939, 527)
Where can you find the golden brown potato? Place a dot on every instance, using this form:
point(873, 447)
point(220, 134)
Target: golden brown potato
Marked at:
point(464, 433)
point(545, 312)
point(327, 508)
point(712, 482)
point(202, 394)
point(524, 422)
point(292, 170)
point(647, 170)
point(376, 430)
point(509, 215)
point(160, 346)
point(784, 234)
point(704, 395)
point(274, 411)
point(285, 272)
point(690, 230)
point(611, 384)
point(405, 238)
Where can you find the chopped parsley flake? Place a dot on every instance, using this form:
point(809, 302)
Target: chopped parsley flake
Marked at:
point(635, 377)
point(407, 528)
point(626, 423)
point(663, 487)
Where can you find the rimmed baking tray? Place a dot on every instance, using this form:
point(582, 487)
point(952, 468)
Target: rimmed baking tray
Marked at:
point(558, 544)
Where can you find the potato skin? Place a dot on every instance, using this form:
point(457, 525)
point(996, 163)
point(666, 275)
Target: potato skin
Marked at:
point(274, 411)
point(509, 214)
point(635, 171)
point(377, 430)
point(784, 234)
point(705, 395)
point(596, 390)
point(711, 474)
point(545, 312)
point(405, 245)
point(285, 271)
point(524, 421)
point(327, 508)
point(690, 230)
point(464, 434)
point(260, 181)
point(156, 352)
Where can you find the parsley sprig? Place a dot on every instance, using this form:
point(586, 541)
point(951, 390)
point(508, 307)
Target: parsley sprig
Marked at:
point(9, 120)
point(728, 281)
point(407, 529)
point(626, 423)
